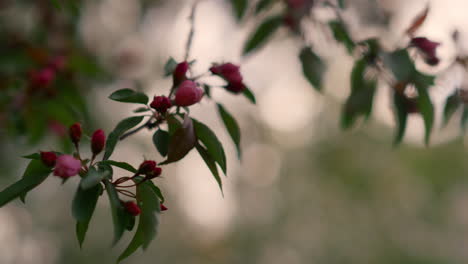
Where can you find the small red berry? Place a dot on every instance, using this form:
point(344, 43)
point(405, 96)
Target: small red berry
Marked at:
point(147, 166)
point(48, 158)
point(180, 73)
point(98, 141)
point(132, 208)
point(163, 208)
point(67, 166)
point(75, 132)
point(161, 104)
point(188, 93)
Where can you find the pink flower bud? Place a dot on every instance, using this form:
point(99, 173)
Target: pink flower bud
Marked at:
point(67, 166)
point(98, 141)
point(42, 78)
point(75, 132)
point(188, 93)
point(147, 166)
point(161, 104)
point(163, 208)
point(48, 158)
point(180, 73)
point(132, 208)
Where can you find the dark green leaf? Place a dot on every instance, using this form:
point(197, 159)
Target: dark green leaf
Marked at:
point(362, 95)
point(464, 118)
point(341, 35)
point(83, 207)
point(341, 4)
point(249, 95)
point(81, 229)
point(130, 220)
point(119, 218)
point(452, 103)
point(231, 126)
point(34, 156)
point(211, 142)
point(93, 178)
point(181, 142)
point(141, 110)
point(35, 174)
point(170, 66)
point(120, 164)
point(157, 191)
point(210, 162)
point(399, 62)
point(239, 7)
point(161, 141)
point(129, 96)
point(118, 131)
point(312, 67)
point(264, 31)
point(401, 117)
point(173, 124)
point(425, 107)
point(148, 221)
point(263, 5)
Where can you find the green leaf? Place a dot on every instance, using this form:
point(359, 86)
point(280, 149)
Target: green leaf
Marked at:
point(249, 95)
point(399, 62)
point(118, 131)
point(239, 7)
point(129, 96)
point(83, 207)
point(452, 103)
point(161, 141)
point(35, 174)
point(173, 124)
point(119, 218)
point(341, 4)
point(426, 108)
point(401, 117)
point(157, 191)
point(181, 142)
point(464, 118)
point(149, 204)
point(341, 35)
point(93, 178)
point(263, 5)
point(231, 126)
point(211, 142)
point(34, 156)
point(312, 67)
point(120, 164)
point(141, 110)
point(81, 229)
point(261, 35)
point(210, 162)
point(362, 95)
point(169, 67)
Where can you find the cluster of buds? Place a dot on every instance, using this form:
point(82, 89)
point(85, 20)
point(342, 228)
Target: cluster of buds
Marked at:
point(427, 48)
point(230, 73)
point(67, 165)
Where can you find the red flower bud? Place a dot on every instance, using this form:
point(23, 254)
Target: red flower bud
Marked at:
point(427, 48)
point(48, 158)
point(230, 73)
point(67, 166)
point(161, 104)
point(132, 208)
point(188, 93)
point(75, 132)
point(163, 208)
point(295, 4)
point(98, 141)
point(154, 173)
point(42, 78)
point(147, 166)
point(180, 73)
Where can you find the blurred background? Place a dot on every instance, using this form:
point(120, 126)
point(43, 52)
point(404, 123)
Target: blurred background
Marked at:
point(304, 192)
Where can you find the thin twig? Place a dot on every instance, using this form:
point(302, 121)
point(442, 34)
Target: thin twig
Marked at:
point(192, 29)
point(148, 124)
